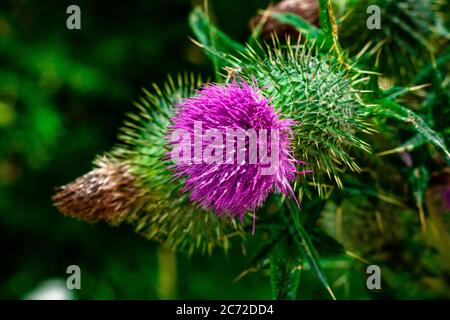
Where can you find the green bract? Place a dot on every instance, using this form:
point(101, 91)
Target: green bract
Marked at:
point(170, 216)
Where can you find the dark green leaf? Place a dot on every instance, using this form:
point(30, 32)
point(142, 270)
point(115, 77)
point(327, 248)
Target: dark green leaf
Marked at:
point(284, 276)
point(306, 247)
point(325, 243)
point(211, 37)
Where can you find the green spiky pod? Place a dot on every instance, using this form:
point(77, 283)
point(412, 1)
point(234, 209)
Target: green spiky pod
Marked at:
point(131, 184)
point(405, 41)
point(321, 96)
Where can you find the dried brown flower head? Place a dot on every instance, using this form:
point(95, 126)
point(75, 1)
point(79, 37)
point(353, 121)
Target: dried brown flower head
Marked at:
point(107, 193)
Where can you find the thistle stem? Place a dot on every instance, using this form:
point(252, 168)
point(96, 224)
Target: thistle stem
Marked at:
point(284, 272)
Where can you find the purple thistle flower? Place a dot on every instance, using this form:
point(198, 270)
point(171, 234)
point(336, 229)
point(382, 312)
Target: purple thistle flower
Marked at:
point(232, 185)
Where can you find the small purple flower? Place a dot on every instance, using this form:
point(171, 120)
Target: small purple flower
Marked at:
point(407, 160)
point(223, 171)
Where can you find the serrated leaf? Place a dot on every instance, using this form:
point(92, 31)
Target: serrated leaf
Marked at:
point(265, 250)
point(325, 243)
point(262, 254)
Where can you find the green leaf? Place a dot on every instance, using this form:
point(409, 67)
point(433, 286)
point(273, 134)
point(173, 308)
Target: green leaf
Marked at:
point(262, 254)
point(392, 109)
point(325, 243)
point(306, 247)
point(266, 249)
point(396, 92)
point(303, 26)
point(408, 146)
point(205, 31)
point(284, 275)
point(211, 37)
point(426, 70)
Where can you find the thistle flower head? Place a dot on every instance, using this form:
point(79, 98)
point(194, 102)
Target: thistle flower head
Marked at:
point(233, 176)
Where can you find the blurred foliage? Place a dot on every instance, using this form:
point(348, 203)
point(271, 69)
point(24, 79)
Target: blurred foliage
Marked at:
point(62, 97)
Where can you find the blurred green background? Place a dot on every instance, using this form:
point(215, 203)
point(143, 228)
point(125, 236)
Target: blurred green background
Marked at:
point(63, 95)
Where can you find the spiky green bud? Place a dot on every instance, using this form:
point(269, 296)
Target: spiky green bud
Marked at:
point(321, 96)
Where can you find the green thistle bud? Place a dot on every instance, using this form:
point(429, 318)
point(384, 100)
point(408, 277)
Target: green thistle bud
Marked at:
point(315, 91)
